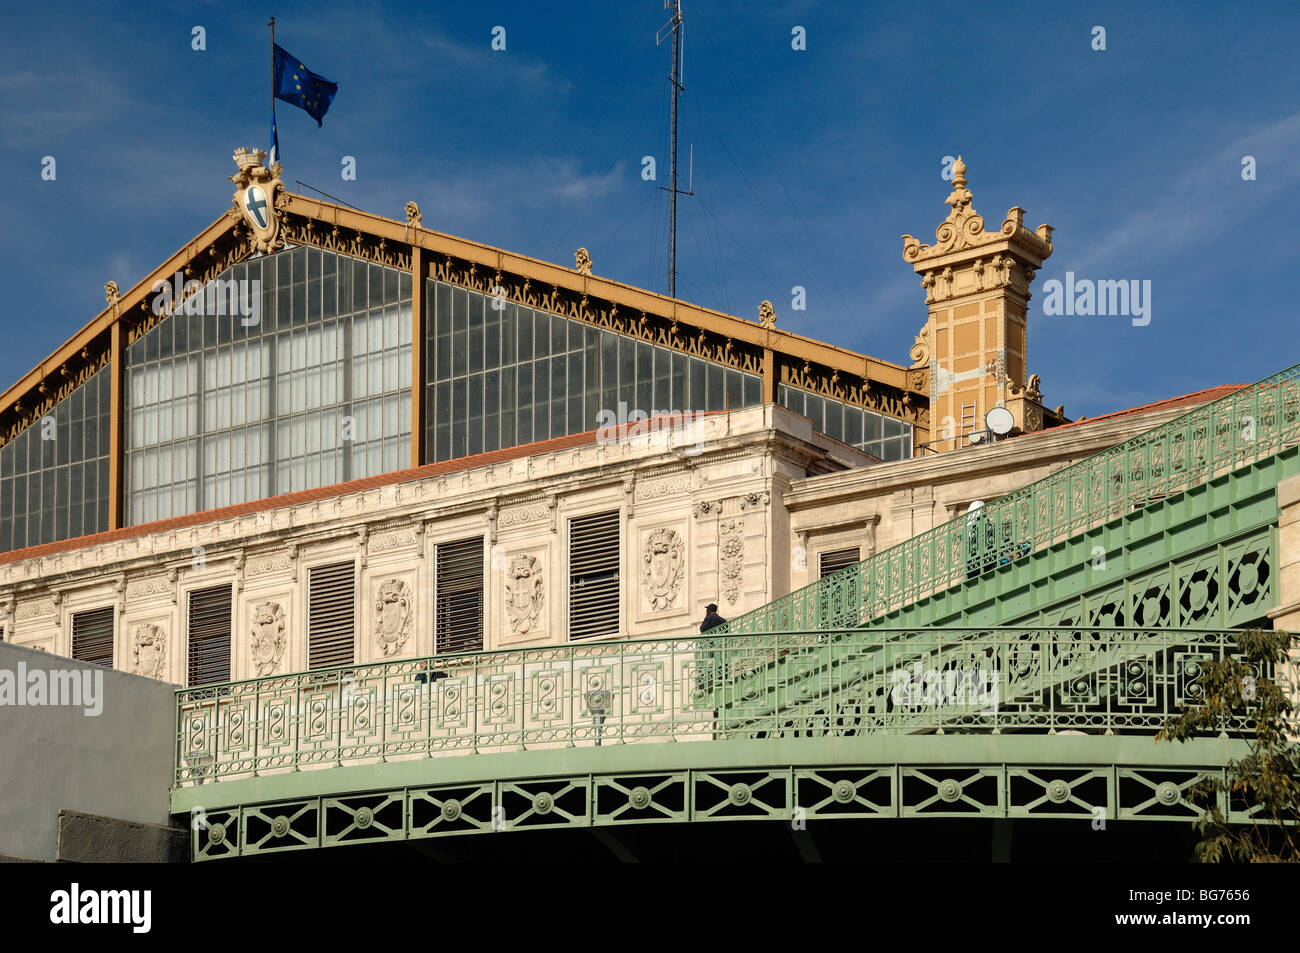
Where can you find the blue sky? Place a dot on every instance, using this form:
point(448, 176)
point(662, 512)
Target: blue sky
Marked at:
point(809, 164)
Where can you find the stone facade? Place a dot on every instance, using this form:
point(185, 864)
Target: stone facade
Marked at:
point(699, 525)
point(740, 519)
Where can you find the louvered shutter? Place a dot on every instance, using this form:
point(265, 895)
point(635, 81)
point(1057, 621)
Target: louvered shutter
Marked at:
point(838, 559)
point(458, 620)
point(209, 628)
point(594, 553)
point(331, 615)
point(92, 636)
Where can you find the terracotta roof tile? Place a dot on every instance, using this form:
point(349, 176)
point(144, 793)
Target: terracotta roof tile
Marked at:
point(1169, 403)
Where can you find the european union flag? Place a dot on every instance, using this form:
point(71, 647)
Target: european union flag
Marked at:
point(299, 86)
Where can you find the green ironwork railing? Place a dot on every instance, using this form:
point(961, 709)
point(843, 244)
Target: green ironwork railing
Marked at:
point(1246, 426)
point(705, 688)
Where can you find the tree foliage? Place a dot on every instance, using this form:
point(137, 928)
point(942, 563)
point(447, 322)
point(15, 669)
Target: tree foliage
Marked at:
point(1250, 689)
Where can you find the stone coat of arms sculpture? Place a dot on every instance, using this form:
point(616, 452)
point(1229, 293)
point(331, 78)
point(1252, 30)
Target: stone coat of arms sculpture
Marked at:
point(393, 616)
point(149, 646)
point(257, 192)
point(524, 596)
point(266, 637)
point(663, 566)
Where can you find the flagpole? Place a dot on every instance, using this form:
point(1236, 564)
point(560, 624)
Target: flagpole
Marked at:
point(274, 137)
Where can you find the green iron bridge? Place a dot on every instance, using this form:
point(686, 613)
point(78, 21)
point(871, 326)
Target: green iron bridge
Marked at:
point(1012, 664)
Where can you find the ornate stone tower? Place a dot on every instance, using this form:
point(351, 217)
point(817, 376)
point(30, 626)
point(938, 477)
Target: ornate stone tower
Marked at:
point(977, 291)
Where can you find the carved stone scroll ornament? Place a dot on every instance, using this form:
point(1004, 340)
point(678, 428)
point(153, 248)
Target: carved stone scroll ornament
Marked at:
point(663, 567)
point(964, 228)
point(767, 315)
point(149, 651)
point(524, 593)
point(920, 352)
point(582, 261)
point(266, 637)
point(393, 616)
point(707, 508)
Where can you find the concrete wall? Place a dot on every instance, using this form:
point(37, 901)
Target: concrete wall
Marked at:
point(117, 764)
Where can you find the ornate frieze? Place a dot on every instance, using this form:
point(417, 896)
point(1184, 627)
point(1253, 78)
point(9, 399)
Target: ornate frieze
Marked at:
point(600, 313)
point(523, 514)
point(999, 271)
point(657, 489)
point(346, 241)
point(403, 538)
point(857, 392)
point(262, 565)
point(149, 586)
point(755, 501)
point(525, 593)
point(267, 637)
point(393, 616)
point(663, 567)
point(35, 609)
point(35, 404)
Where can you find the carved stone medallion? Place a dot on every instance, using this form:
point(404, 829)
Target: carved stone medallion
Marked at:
point(266, 637)
point(663, 565)
point(149, 648)
point(524, 593)
point(393, 615)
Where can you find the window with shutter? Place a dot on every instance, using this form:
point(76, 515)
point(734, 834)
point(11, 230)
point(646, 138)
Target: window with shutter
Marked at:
point(458, 612)
point(331, 615)
point(209, 635)
point(92, 636)
point(594, 553)
point(838, 559)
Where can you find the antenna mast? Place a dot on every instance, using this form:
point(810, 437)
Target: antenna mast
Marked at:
point(675, 26)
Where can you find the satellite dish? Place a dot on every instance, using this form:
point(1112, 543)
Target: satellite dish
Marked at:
point(975, 504)
point(975, 437)
point(972, 510)
point(1000, 421)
